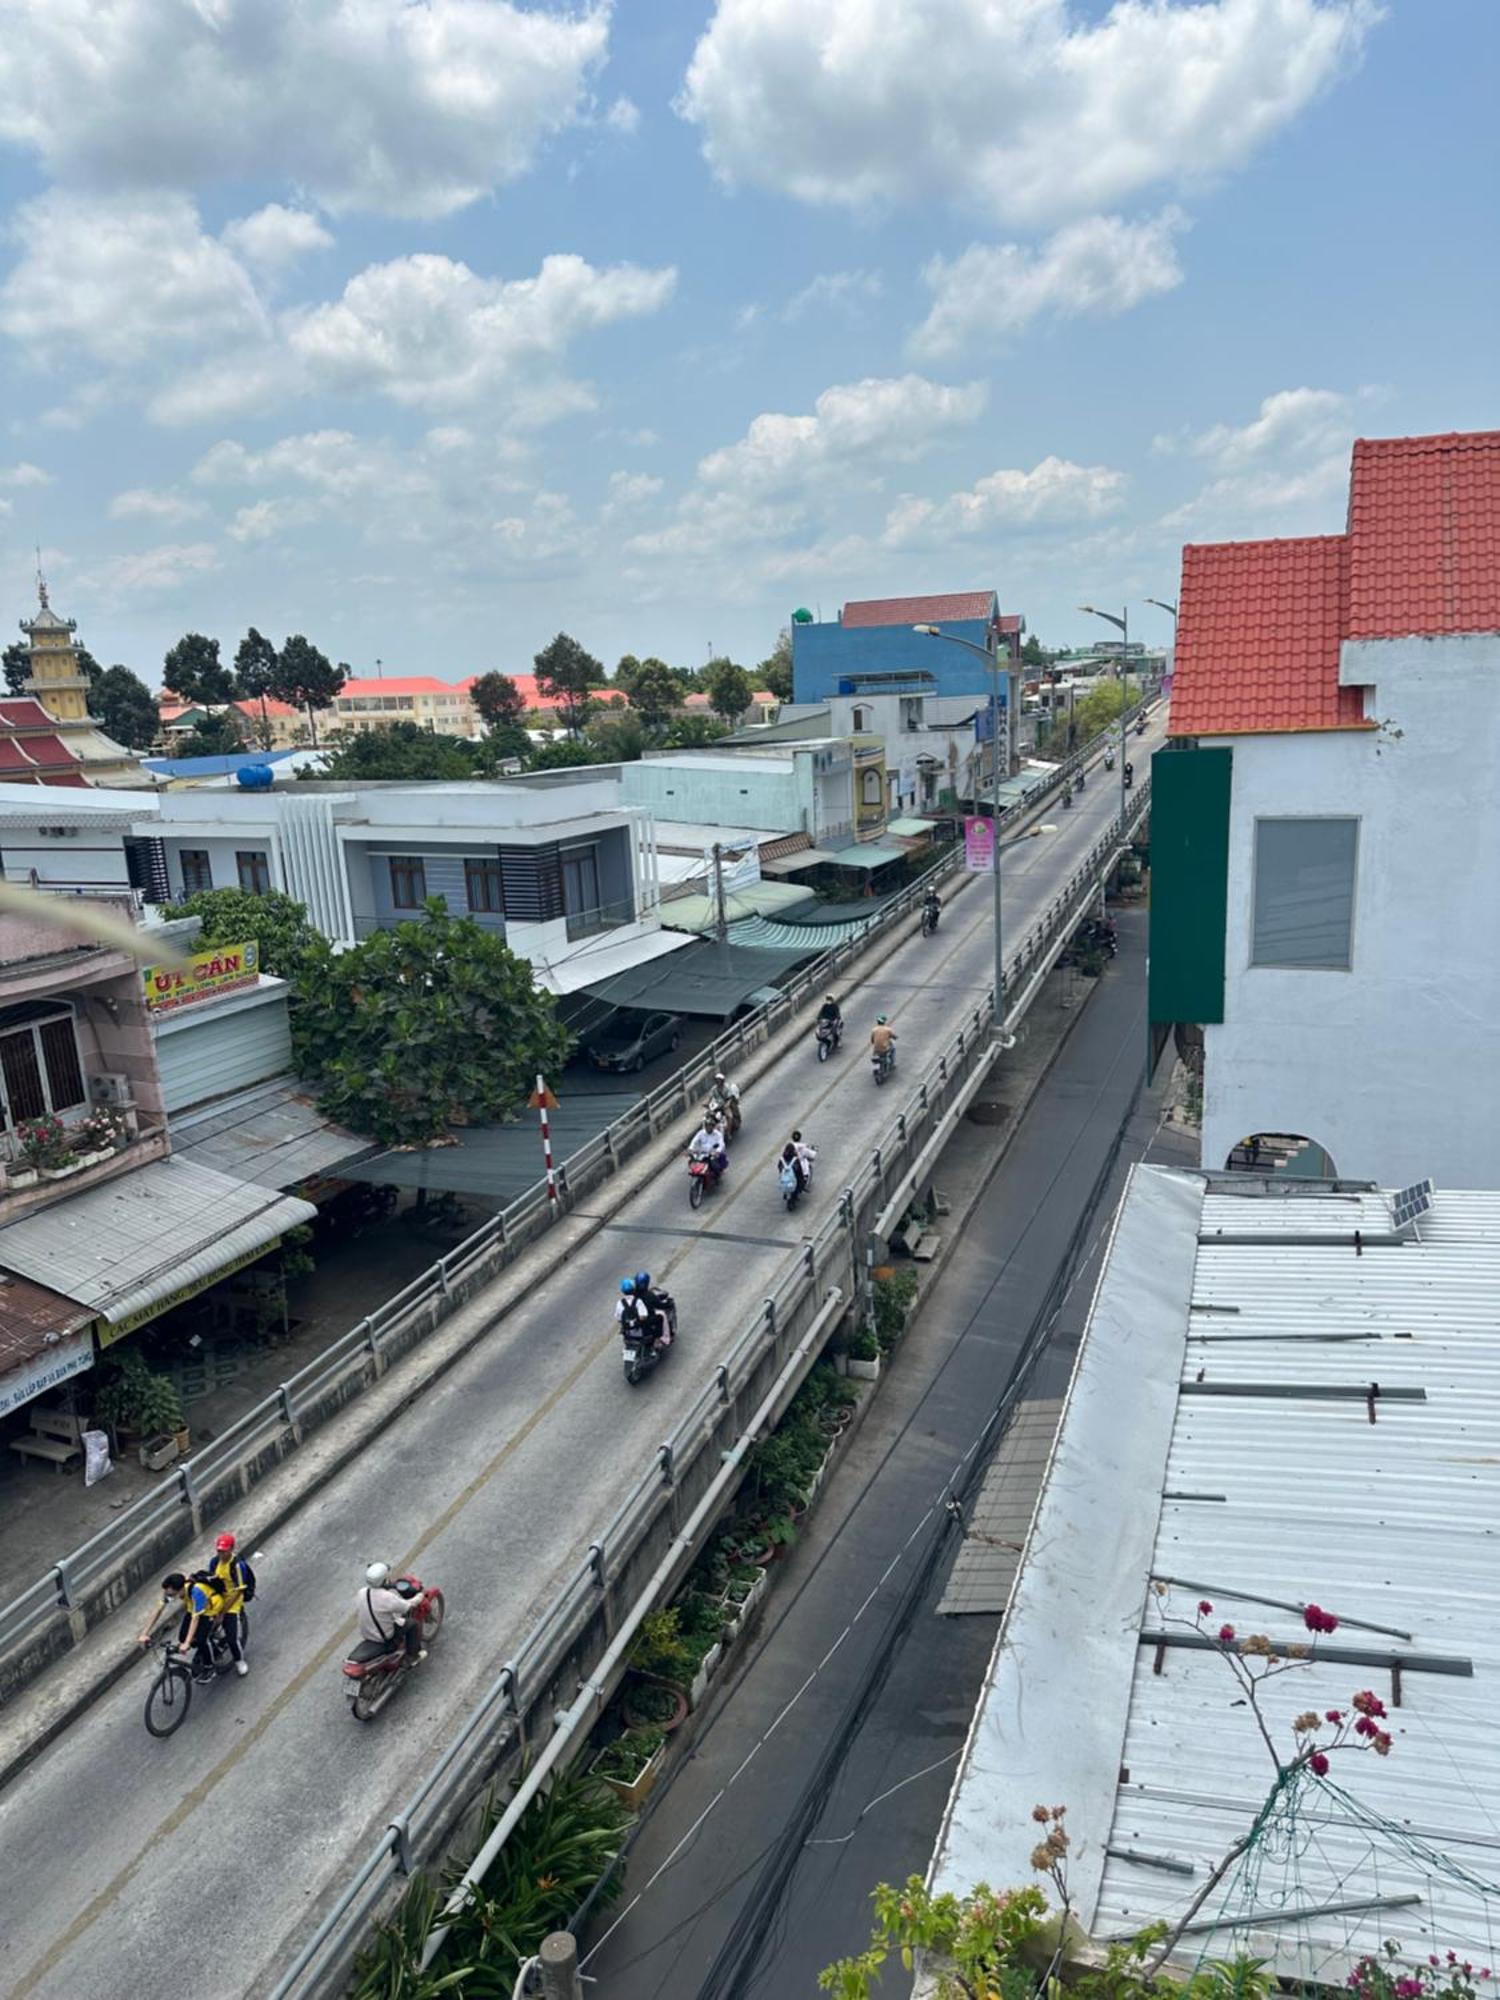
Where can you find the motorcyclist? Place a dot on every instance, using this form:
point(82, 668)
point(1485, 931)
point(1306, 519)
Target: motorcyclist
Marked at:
point(1109, 760)
point(725, 1098)
point(656, 1304)
point(882, 1038)
point(708, 1144)
point(799, 1156)
point(1129, 772)
point(932, 904)
point(630, 1308)
point(384, 1613)
point(829, 1012)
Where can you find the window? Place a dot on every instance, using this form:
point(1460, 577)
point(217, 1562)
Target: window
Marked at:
point(196, 872)
point(862, 718)
point(408, 881)
point(39, 1066)
point(1304, 893)
point(870, 791)
point(482, 886)
point(255, 871)
point(911, 712)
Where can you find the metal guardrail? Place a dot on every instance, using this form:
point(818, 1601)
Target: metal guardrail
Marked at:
point(708, 1432)
point(358, 1358)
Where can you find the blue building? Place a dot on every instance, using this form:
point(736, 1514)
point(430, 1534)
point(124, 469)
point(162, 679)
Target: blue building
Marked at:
point(872, 648)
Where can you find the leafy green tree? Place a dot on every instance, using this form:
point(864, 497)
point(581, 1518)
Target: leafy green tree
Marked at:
point(220, 735)
point(123, 704)
point(433, 1024)
point(16, 663)
point(775, 672)
point(563, 755)
point(619, 737)
point(624, 675)
point(693, 731)
point(490, 752)
point(401, 750)
point(565, 673)
point(307, 679)
point(499, 701)
point(728, 689)
point(1033, 653)
point(195, 673)
point(277, 923)
point(255, 676)
point(655, 694)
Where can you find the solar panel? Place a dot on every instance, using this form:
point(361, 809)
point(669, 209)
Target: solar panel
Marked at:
point(1410, 1202)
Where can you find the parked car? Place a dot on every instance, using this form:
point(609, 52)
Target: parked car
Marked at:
point(630, 1041)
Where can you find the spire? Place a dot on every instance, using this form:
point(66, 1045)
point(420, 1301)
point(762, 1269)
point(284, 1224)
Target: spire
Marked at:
point(41, 582)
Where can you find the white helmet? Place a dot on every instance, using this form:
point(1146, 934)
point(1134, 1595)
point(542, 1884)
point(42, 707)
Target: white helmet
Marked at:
point(376, 1574)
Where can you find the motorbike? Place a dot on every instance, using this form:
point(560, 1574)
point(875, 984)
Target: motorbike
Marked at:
point(930, 914)
point(883, 1061)
point(1078, 782)
point(373, 1672)
point(1067, 795)
point(830, 1034)
point(702, 1173)
point(1140, 727)
point(787, 1177)
point(726, 1110)
point(642, 1346)
point(1109, 760)
point(1129, 776)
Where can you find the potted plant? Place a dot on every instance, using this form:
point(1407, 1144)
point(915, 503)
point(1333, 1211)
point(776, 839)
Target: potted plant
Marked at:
point(44, 1146)
point(630, 1765)
point(862, 1357)
point(894, 1297)
point(655, 1705)
point(97, 1137)
point(138, 1404)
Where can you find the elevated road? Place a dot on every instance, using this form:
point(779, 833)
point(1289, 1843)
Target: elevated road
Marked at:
point(200, 1861)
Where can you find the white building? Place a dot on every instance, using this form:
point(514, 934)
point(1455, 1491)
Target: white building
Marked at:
point(1326, 830)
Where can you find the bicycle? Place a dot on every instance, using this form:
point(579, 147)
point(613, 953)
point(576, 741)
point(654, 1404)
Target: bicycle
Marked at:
point(171, 1692)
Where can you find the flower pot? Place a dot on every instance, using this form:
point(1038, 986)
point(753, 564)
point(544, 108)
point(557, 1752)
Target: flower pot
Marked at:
point(705, 1673)
point(159, 1451)
point(635, 1791)
point(861, 1370)
point(17, 1178)
point(62, 1173)
point(183, 1439)
point(636, 1717)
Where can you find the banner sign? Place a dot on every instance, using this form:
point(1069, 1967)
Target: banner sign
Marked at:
point(979, 846)
point(111, 1330)
point(45, 1370)
point(204, 976)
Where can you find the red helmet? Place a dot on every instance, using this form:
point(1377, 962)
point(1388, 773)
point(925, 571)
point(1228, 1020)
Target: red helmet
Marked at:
point(224, 1544)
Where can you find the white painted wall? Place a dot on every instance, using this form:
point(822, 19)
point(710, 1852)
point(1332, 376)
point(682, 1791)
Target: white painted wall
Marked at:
point(1393, 1066)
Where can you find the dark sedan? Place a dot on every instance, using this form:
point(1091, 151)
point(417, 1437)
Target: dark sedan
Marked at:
point(630, 1041)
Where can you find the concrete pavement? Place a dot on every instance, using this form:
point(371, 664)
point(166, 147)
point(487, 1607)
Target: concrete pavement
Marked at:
point(492, 1482)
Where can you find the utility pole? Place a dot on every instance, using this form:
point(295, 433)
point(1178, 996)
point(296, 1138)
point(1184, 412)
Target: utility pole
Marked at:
point(721, 927)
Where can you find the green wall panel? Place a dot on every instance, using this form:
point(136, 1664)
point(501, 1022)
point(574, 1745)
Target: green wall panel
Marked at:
point(1189, 883)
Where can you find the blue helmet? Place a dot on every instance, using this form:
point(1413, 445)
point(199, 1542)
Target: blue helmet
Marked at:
point(627, 1286)
point(643, 1281)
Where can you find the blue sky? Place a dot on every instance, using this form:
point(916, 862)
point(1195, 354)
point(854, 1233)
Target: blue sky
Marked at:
point(429, 327)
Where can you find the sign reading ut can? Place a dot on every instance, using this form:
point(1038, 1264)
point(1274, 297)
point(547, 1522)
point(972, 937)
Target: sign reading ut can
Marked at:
point(204, 976)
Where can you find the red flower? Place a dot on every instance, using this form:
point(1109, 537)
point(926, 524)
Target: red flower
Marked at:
point(1368, 1703)
point(1205, 1609)
point(1226, 1635)
point(1364, 1726)
point(1335, 1715)
point(1318, 1764)
point(1318, 1620)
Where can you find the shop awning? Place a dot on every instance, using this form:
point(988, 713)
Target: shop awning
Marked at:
point(793, 864)
point(909, 829)
point(868, 857)
point(32, 1319)
point(611, 951)
point(755, 899)
point(712, 980)
point(130, 1248)
point(272, 1133)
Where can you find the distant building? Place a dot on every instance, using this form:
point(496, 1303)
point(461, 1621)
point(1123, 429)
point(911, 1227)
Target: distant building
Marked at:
point(442, 706)
point(60, 687)
point(265, 725)
point(1326, 830)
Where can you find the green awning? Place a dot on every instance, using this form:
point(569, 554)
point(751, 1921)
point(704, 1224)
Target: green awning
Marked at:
point(909, 829)
point(868, 857)
point(755, 899)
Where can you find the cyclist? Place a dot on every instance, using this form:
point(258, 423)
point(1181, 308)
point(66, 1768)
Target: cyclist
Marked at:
point(238, 1581)
point(200, 1598)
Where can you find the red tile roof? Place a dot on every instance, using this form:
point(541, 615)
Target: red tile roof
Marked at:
point(961, 605)
point(32, 753)
point(1262, 623)
point(21, 712)
point(1258, 637)
point(1424, 522)
point(404, 684)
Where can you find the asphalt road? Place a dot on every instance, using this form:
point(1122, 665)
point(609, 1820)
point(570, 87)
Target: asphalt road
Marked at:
point(492, 1483)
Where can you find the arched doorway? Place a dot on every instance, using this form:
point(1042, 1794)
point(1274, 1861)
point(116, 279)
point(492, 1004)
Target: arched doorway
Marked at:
point(1287, 1155)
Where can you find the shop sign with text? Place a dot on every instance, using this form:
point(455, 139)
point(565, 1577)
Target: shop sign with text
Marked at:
point(204, 976)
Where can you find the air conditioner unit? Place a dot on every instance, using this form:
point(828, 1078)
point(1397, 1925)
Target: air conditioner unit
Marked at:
point(109, 1087)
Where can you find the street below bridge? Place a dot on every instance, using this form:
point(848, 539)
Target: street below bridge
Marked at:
point(199, 1862)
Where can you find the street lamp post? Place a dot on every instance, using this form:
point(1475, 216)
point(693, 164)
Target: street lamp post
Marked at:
point(1122, 624)
point(991, 657)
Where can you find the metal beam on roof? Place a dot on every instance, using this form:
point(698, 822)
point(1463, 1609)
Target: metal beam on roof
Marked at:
point(1339, 1656)
point(1276, 1603)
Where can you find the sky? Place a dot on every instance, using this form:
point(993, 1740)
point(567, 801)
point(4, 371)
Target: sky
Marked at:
point(429, 328)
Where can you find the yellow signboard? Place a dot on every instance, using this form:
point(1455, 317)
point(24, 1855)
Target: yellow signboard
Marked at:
point(204, 976)
point(111, 1330)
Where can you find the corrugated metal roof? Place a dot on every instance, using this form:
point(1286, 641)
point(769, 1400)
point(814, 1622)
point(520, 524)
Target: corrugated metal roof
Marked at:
point(122, 1246)
point(32, 1319)
point(1287, 1495)
point(271, 1133)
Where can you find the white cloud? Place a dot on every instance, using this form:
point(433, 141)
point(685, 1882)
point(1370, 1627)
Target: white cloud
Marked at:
point(1054, 491)
point(24, 474)
point(870, 424)
point(165, 568)
point(365, 104)
point(627, 491)
point(143, 503)
point(623, 117)
point(1278, 472)
point(544, 534)
point(1291, 420)
point(275, 238)
point(842, 290)
point(1100, 265)
point(429, 332)
point(1026, 109)
point(264, 520)
point(1224, 505)
point(642, 440)
point(121, 277)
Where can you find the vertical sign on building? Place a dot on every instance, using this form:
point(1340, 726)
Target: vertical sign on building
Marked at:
point(979, 846)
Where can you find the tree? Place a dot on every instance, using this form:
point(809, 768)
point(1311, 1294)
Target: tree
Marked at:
point(655, 694)
point(490, 752)
point(775, 672)
point(563, 755)
point(499, 701)
point(221, 735)
point(1033, 653)
point(693, 731)
point(17, 666)
point(277, 923)
point(617, 736)
point(565, 673)
point(125, 708)
point(420, 1028)
point(728, 689)
point(307, 679)
point(624, 675)
point(255, 676)
point(403, 750)
point(194, 671)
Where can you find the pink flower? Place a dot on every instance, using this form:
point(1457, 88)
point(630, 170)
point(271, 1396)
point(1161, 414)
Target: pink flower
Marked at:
point(1364, 1726)
point(1409, 1989)
point(1368, 1703)
point(1318, 1764)
point(1316, 1619)
point(1335, 1715)
point(1205, 1609)
point(1226, 1635)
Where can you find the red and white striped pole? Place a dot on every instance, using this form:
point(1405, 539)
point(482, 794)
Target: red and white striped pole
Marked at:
point(543, 1101)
